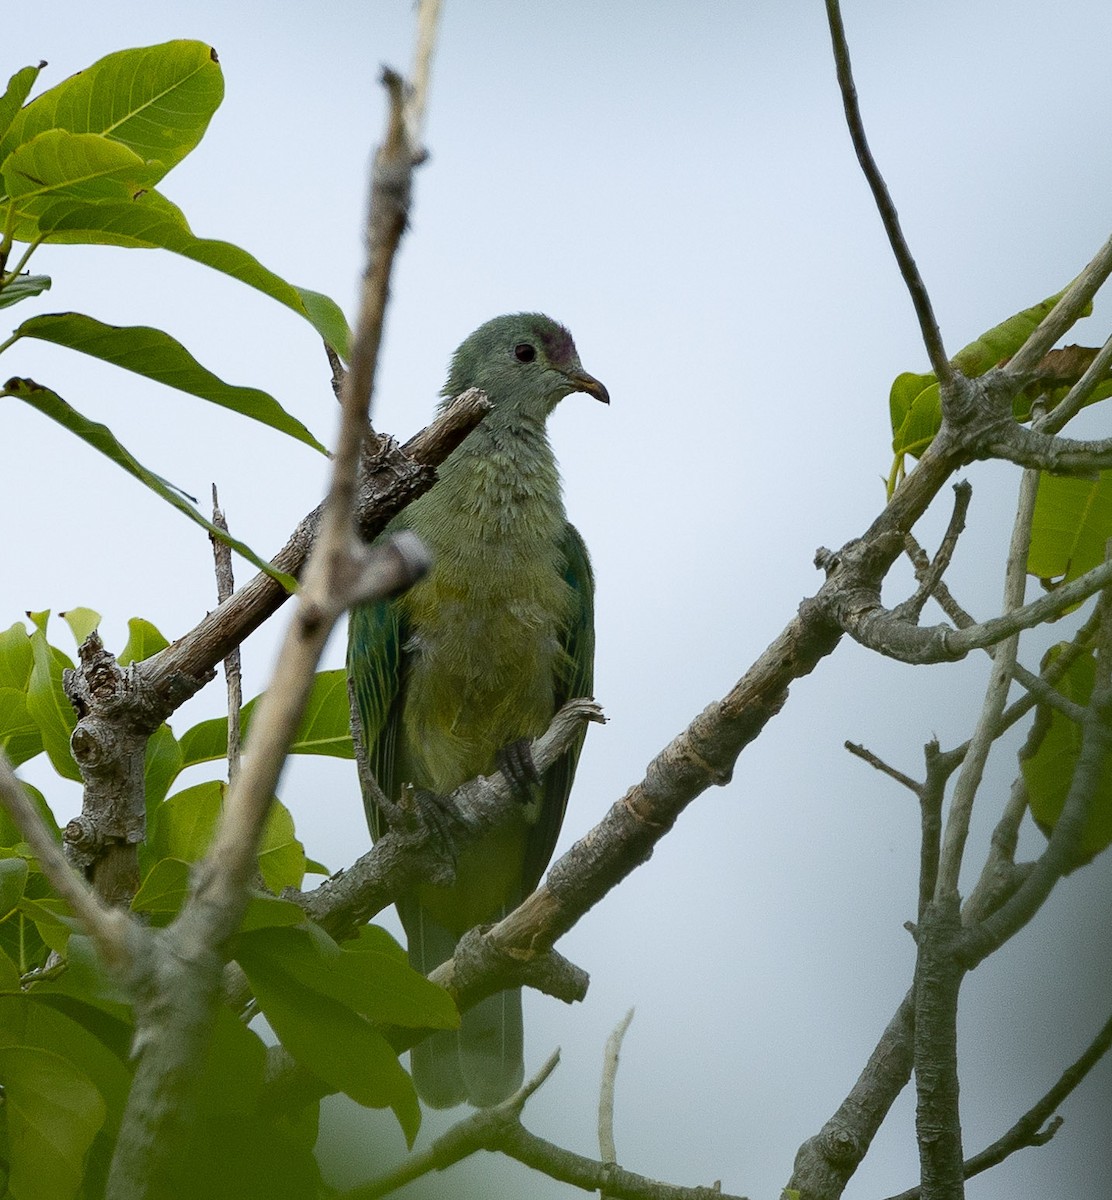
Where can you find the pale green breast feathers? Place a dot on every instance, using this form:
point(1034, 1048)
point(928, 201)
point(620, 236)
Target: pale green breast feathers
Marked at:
point(483, 632)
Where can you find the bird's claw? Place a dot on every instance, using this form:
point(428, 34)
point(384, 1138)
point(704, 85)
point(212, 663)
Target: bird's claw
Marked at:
point(515, 761)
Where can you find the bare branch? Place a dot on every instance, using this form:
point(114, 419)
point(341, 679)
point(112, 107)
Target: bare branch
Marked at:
point(928, 326)
point(873, 761)
point(931, 576)
point(607, 1150)
point(225, 586)
point(996, 695)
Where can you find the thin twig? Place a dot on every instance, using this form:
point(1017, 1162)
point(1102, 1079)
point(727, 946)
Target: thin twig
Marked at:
point(868, 756)
point(931, 577)
point(928, 326)
point(233, 671)
point(465, 1138)
point(607, 1150)
point(996, 694)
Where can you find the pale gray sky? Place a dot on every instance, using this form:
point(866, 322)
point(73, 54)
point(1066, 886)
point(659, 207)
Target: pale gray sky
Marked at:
point(674, 181)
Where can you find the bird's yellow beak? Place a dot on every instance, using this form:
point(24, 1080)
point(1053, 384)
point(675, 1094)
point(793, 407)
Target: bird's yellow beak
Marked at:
point(589, 384)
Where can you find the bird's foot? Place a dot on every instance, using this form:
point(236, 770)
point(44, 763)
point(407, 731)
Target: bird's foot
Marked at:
point(439, 815)
point(515, 761)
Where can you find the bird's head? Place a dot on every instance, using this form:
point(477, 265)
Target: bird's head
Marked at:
point(525, 362)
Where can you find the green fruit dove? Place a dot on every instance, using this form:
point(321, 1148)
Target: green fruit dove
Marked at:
point(451, 677)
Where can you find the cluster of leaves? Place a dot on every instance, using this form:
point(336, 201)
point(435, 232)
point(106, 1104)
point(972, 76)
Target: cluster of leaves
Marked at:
point(66, 1029)
point(81, 163)
point(1071, 525)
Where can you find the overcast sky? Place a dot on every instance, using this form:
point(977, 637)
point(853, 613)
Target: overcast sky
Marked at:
point(674, 181)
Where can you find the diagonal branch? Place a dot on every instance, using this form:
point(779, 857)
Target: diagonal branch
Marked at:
point(928, 326)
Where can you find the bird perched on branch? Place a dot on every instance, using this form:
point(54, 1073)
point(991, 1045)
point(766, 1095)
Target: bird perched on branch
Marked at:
point(452, 677)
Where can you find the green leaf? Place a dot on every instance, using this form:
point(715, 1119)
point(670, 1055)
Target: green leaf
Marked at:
point(162, 765)
point(10, 835)
point(33, 1020)
point(82, 166)
point(22, 287)
point(326, 1036)
point(15, 657)
point(1049, 772)
point(1003, 340)
point(52, 920)
point(281, 855)
point(1071, 523)
point(143, 641)
point(183, 825)
point(325, 726)
point(268, 912)
point(156, 100)
point(182, 828)
point(18, 89)
point(82, 622)
point(9, 974)
point(48, 706)
point(13, 879)
point(101, 438)
point(53, 1114)
point(156, 355)
point(153, 222)
point(366, 975)
point(163, 891)
point(19, 731)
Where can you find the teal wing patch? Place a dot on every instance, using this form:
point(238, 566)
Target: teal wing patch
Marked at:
point(576, 677)
point(375, 640)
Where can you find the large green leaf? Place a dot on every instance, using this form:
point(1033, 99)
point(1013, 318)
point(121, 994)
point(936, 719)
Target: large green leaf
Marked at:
point(156, 355)
point(1049, 772)
point(143, 640)
point(155, 100)
point(327, 1036)
point(281, 855)
point(53, 1114)
point(18, 89)
point(13, 880)
point(163, 890)
point(49, 707)
point(152, 222)
point(82, 622)
point(20, 735)
point(101, 438)
point(183, 825)
point(11, 836)
point(82, 166)
point(15, 657)
point(162, 765)
point(1071, 523)
point(371, 975)
point(325, 726)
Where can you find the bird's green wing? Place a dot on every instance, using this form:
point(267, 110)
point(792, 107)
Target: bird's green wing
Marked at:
point(575, 677)
point(375, 640)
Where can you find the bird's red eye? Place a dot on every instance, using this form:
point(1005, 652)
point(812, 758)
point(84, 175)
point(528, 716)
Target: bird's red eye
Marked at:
point(523, 352)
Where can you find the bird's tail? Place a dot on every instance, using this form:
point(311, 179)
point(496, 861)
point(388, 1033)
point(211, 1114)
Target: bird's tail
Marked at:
point(483, 1061)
